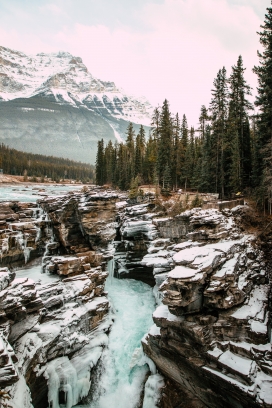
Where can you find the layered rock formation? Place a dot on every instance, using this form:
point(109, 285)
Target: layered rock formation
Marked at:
point(53, 334)
point(23, 231)
point(211, 334)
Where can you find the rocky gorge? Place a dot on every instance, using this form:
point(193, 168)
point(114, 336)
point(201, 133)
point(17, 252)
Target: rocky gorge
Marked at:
point(209, 345)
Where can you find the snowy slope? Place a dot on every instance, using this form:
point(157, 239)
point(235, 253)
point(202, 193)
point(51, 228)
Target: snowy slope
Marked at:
point(67, 79)
point(51, 104)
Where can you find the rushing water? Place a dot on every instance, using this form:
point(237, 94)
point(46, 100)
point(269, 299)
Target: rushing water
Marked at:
point(122, 377)
point(123, 367)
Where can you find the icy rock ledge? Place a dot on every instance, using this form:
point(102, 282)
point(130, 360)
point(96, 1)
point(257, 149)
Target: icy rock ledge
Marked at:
point(211, 334)
point(53, 334)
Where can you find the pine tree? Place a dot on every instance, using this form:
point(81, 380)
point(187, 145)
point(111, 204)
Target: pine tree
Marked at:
point(150, 160)
point(167, 181)
point(177, 151)
point(238, 116)
point(99, 164)
point(189, 162)
point(184, 132)
point(139, 153)
point(207, 176)
point(219, 110)
point(235, 164)
point(264, 102)
point(203, 118)
point(134, 188)
point(165, 141)
point(183, 148)
point(130, 144)
point(155, 123)
point(108, 162)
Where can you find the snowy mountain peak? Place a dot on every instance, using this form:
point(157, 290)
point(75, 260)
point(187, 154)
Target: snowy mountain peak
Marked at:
point(65, 78)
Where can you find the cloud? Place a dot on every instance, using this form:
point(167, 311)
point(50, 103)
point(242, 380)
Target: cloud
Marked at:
point(174, 52)
point(178, 57)
point(53, 9)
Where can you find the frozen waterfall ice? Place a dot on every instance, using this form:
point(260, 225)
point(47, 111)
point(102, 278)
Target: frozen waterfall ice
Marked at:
point(123, 367)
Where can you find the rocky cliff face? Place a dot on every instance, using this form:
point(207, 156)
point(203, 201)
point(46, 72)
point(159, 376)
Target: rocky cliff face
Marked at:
point(211, 332)
point(53, 334)
point(52, 99)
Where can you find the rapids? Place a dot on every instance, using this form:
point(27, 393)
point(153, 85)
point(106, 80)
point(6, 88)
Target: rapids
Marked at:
point(124, 367)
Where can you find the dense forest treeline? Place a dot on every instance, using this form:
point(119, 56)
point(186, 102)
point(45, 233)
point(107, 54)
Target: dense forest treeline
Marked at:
point(15, 162)
point(230, 151)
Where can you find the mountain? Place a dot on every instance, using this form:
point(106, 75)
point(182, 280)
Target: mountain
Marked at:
point(51, 104)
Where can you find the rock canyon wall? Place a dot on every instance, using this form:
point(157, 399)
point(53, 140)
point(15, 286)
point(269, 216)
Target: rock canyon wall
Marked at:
point(211, 332)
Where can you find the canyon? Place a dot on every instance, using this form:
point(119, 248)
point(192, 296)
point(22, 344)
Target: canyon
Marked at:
point(209, 287)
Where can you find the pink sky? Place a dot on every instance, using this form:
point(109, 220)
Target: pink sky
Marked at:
point(166, 48)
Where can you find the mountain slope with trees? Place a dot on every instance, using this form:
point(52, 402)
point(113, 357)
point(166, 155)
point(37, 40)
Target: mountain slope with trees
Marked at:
point(15, 162)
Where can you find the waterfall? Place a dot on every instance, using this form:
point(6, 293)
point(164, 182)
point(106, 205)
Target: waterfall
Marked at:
point(123, 367)
point(110, 263)
point(50, 235)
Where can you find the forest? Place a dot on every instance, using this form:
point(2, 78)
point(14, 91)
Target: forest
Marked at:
point(229, 152)
point(31, 165)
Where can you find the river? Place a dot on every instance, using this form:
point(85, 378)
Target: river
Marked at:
point(123, 369)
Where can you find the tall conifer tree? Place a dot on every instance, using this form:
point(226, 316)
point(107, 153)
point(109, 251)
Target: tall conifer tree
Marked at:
point(99, 164)
point(238, 118)
point(219, 110)
point(264, 103)
point(165, 141)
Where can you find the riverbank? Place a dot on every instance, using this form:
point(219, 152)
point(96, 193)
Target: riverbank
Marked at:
point(10, 179)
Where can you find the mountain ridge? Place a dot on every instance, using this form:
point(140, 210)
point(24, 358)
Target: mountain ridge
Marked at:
point(56, 97)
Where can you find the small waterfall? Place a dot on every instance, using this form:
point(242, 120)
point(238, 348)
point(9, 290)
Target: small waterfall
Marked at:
point(111, 262)
point(5, 246)
point(21, 240)
point(50, 236)
point(124, 367)
point(110, 268)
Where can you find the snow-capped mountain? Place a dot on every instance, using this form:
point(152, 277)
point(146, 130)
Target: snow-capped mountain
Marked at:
point(51, 104)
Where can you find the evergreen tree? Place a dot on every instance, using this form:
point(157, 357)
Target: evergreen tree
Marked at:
point(207, 176)
point(167, 181)
point(183, 148)
point(165, 141)
point(184, 132)
point(99, 164)
point(189, 162)
point(203, 118)
point(139, 153)
point(134, 190)
point(264, 103)
point(238, 117)
point(219, 110)
point(177, 151)
point(155, 124)
point(235, 164)
point(109, 162)
point(150, 160)
point(130, 151)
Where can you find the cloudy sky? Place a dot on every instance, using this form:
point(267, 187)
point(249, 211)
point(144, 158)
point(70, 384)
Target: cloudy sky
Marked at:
point(156, 48)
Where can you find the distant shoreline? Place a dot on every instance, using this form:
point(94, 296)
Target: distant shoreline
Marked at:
point(7, 179)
